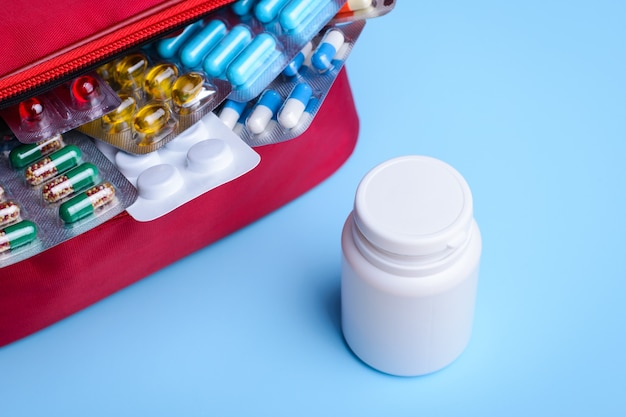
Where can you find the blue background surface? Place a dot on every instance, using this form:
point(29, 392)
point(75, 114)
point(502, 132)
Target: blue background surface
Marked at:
point(527, 99)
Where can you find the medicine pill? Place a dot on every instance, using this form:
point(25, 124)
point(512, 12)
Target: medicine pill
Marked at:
point(209, 157)
point(241, 123)
point(195, 49)
point(151, 119)
point(105, 71)
point(17, 235)
point(251, 59)
point(243, 7)
point(323, 56)
point(354, 5)
point(263, 112)
point(159, 80)
point(168, 47)
point(85, 92)
point(231, 112)
point(187, 89)
point(120, 119)
point(26, 154)
point(267, 10)
point(81, 177)
point(296, 63)
point(9, 212)
point(295, 14)
point(31, 110)
point(294, 106)
point(230, 46)
point(159, 182)
point(86, 203)
point(130, 71)
point(53, 164)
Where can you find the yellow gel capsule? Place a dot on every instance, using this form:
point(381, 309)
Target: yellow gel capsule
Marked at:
point(120, 118)
point(130, 71)
point(187, 88)
point(106, 71)
point(159, 81)
point(151, 118)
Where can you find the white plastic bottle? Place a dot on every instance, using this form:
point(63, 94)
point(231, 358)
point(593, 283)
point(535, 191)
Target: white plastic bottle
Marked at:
point(411, 253)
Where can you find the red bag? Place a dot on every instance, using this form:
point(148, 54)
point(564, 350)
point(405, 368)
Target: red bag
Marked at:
point(60, 281)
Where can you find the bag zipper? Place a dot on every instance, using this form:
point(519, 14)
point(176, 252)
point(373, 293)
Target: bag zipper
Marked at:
point(47, 74)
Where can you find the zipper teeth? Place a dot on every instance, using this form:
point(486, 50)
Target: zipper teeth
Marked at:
point(109, 50)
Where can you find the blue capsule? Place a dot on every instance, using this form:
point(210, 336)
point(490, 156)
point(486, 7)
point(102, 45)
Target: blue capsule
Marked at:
point(231, 112)
point(251, 59)
point(265, 109)
point(322, 58)
point(168, 47)
point(294, 106)
point(230, 46)
point(243, 7)
point(201, 43)
point(295, 14)
point(296, 63)
point(267, 10)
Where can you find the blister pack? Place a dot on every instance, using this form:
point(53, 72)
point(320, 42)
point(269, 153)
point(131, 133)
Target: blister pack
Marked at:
point(203, 157)
point(81, 100)
point(249, 43)
point(158, 101)
point(288, 105)
point(363, 9)
point(54, 190)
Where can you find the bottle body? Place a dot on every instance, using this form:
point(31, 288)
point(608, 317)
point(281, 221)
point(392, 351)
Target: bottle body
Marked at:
point(405, 325)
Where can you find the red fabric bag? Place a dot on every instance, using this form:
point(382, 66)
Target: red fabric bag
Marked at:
point(60, 281)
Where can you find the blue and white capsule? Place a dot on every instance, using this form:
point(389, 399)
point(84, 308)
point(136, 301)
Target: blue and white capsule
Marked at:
point(267, 10)
point(265, 109)
point(241, 123)
point(199, 44)
point(235, 41)
point(290, 114)
point(231, 112)
point(292, 69)
point(322, 58)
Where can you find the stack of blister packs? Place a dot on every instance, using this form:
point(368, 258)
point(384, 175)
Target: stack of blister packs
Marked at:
point(171, 120)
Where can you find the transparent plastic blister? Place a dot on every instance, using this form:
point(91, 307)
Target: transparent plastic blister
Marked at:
point(205, 156)
point(158, 102)
point(64, 186)
point(249, 43)
point(81, 100)
point(287, 107)
point(363, 9)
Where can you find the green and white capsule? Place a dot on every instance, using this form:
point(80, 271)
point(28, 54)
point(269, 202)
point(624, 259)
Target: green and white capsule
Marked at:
point(83, 176)
point(53, 164)
point(16, 235)
point(86, 203)
point(26, 154)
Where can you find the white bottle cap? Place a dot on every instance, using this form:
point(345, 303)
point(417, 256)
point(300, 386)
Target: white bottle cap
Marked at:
point(414, 206)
